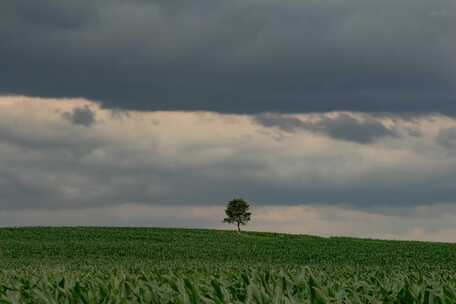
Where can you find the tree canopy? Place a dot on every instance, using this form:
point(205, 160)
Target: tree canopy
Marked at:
point(237, 212)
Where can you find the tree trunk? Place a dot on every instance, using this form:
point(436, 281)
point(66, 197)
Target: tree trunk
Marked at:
point(239, 228)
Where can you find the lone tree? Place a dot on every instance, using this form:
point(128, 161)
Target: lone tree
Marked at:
point(237, 211)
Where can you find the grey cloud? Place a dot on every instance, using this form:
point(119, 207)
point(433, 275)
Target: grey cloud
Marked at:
point(285, 123)
point(40, 177)
point(83, 116)
point(342, 127)
point(145, 158)
point(414, 132)
point(447, 138)
point(67, 143)
point(246, 56)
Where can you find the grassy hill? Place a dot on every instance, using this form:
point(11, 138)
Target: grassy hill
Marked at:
point(52, 247)
point(210, 266)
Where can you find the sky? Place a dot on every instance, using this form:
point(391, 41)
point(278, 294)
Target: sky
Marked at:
point(331, 117)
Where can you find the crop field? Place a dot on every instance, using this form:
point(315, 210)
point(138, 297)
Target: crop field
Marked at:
point(148, 265)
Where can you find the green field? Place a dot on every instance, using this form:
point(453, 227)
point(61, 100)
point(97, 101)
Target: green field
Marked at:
point(145, 265)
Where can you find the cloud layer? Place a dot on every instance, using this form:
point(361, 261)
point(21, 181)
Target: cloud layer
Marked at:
point(238, 56)
point(55, 155)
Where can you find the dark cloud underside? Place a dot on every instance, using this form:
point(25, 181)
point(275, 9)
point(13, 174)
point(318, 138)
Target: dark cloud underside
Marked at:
point(83, 116)
point(234, 56)
point(342, 127)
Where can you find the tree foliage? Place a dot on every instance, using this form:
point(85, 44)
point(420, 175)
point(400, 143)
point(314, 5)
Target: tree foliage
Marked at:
point(237, 212)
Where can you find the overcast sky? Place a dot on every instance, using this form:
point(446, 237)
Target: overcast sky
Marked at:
point(330, 117)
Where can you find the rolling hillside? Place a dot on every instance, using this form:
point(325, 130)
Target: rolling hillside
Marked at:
point(211, 266)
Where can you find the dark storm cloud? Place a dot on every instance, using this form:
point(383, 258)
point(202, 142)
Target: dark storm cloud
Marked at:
point(342, 127)
point(234, 56)
point(83, 116)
